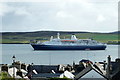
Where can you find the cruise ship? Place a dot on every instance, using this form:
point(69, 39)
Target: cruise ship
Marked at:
point(68, 44)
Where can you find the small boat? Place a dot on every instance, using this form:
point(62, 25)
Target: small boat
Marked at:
point(69, 44)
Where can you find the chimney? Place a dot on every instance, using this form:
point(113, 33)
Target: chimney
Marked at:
point(108, 68)
point(51, 38)
point(58, 35)
point(73, 37)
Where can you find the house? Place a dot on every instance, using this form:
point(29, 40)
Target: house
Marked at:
point(105, 71)
point(90, 69)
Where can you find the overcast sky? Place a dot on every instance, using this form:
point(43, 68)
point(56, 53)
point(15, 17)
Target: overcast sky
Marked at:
point(59, 15)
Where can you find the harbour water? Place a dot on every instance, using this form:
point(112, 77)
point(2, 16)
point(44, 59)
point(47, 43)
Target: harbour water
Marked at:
point(26, 54)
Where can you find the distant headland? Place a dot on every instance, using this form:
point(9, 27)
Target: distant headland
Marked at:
point(25, 37)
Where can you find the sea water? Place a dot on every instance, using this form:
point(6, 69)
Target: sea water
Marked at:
point(25, 54)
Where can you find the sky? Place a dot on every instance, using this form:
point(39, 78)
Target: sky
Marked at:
point(59, 15)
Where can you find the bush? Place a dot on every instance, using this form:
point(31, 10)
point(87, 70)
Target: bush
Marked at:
point(12, 79)
point(5, 76)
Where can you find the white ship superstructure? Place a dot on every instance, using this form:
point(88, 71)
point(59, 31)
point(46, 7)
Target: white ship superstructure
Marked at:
point(73, 43)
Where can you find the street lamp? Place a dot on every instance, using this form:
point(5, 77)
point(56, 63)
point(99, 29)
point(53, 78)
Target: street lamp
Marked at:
point(13, 58)
point(32, 67)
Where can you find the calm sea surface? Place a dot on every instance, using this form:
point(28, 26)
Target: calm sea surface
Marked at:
point(26, 54)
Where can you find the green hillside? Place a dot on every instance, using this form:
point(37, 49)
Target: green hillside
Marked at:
point(25, 37)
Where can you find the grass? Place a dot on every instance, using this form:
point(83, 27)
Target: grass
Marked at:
point(25, 39)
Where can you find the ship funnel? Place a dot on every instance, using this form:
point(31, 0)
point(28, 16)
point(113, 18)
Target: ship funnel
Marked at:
point(51, 38)
point(58, 35)
point(73, 37)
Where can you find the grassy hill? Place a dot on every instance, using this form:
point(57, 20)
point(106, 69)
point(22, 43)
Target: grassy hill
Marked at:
point(24, 37)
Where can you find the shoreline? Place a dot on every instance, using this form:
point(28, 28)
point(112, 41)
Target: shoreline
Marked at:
point(29, 43)
point(14, 43)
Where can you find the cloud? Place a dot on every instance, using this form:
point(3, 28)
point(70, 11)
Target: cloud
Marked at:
point(72, 15)
point(4, 9)
point(63, 14)
point(21, 11)
point(100, 18)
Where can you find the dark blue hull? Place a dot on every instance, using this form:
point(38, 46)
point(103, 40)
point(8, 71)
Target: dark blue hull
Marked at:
point(60, 47)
